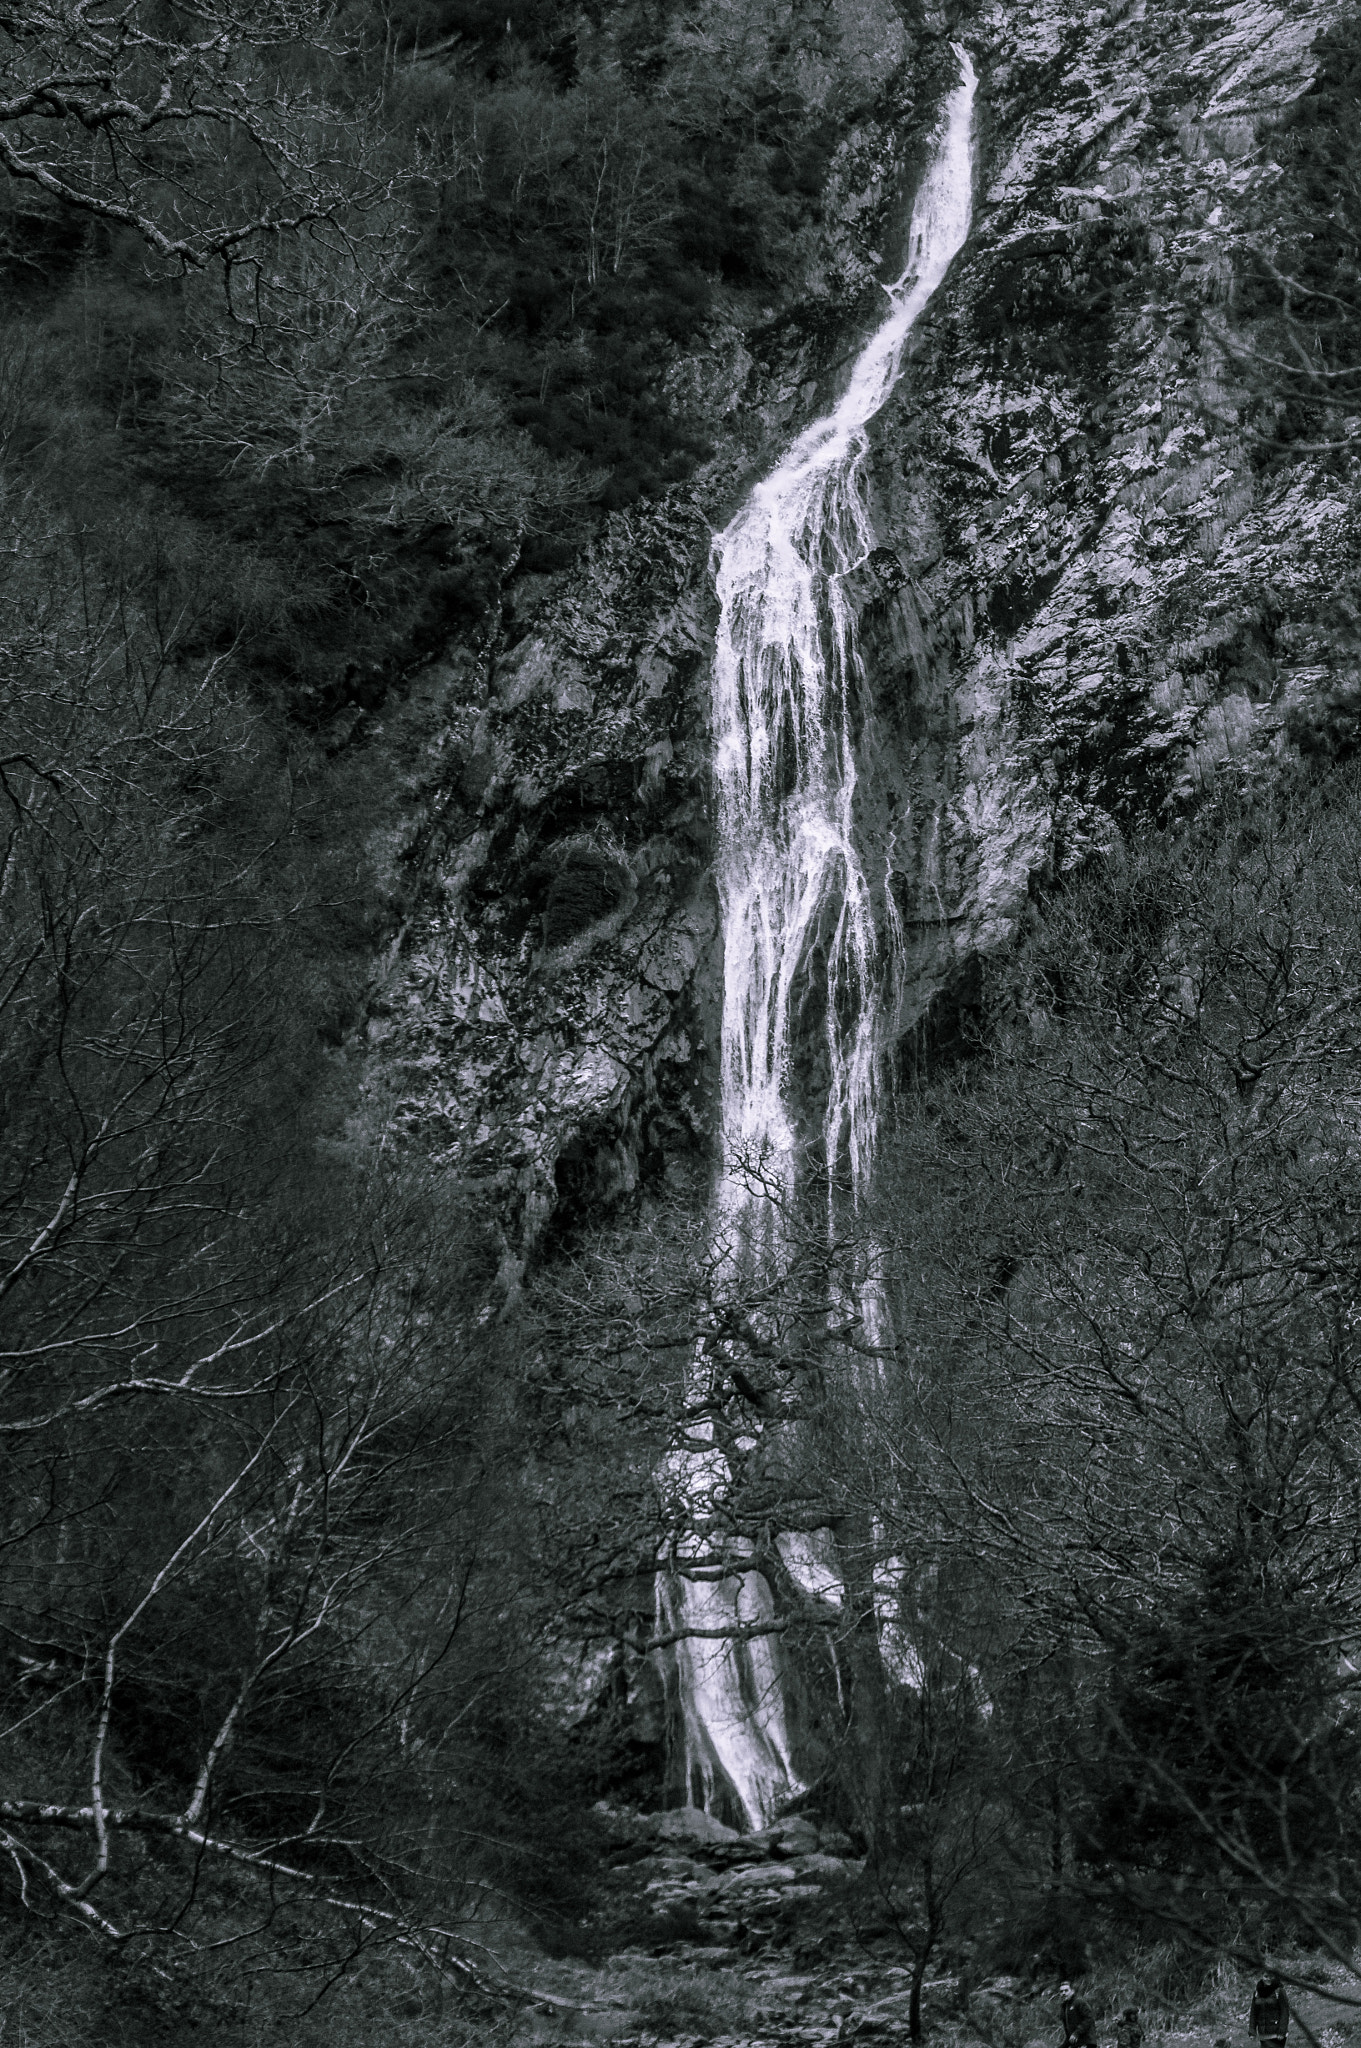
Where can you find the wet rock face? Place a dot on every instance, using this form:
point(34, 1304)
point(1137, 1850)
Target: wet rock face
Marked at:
point(1089, 594)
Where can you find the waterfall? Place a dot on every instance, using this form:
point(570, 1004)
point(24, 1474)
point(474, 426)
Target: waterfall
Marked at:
point(786, 703)
point(801, 919)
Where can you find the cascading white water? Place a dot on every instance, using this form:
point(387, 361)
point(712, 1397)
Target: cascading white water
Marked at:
point(786, 689)
point(800, 915)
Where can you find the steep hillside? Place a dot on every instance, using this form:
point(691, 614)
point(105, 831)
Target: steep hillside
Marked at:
point(1097, 581)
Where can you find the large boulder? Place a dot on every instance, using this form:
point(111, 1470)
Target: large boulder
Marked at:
point(796, 1837)
point(693, 1824)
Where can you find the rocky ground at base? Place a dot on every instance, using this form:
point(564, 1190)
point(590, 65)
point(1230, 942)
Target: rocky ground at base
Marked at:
point(770, 1937)
point(778, 1940)
point(692, 1997)
point(698, 1880)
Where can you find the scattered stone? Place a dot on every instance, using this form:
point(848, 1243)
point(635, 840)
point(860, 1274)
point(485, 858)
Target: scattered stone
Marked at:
point(692, 1824)
point(834, 1843)
point(830, 1867)
point(759, 1877)
point(744, 1849)
point(797, 1837)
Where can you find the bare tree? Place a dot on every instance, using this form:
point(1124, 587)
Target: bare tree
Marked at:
point(949, 1812)
point(194, 126)
point(254, 1571)
point(1129, 1390)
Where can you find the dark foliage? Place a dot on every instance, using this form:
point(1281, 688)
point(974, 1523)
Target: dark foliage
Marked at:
point(1223, 1720)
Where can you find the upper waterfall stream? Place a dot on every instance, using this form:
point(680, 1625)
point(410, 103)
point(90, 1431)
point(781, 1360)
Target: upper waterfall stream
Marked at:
point(797, 906)
point(786, 684)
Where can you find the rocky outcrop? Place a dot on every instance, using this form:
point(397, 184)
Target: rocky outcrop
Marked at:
point(693, 1878)
point(1088, 597)
point(1091, 595)
point(551, 1011)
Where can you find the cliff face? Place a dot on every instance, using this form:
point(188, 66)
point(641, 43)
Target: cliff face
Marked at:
point(1089, 594)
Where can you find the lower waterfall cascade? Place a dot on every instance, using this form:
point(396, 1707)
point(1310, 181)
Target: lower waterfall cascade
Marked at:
point(787, 705)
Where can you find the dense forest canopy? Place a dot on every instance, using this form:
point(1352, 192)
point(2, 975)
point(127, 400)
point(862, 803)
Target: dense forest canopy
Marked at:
point(320, 327)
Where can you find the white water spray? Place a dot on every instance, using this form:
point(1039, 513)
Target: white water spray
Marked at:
point(802, 921)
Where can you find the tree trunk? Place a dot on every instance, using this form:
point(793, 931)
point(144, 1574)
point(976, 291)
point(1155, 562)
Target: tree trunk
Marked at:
point(935, 1916)
point(919, 1962)
point(869, 1753)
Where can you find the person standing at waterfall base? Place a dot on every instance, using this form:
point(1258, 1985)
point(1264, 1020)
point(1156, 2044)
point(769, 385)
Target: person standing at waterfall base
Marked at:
point(1269, 2018)
point(1079, 2027)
